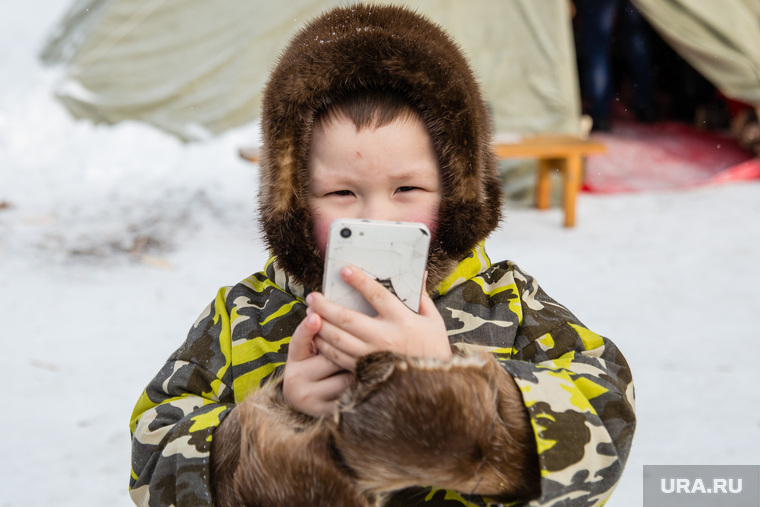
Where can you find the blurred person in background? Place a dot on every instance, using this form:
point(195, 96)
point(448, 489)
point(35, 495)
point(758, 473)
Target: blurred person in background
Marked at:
point(598, 22)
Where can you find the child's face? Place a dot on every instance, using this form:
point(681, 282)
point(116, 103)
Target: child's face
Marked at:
point(388, 173)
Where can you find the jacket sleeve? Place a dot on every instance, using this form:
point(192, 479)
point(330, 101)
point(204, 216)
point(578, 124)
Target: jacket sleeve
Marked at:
point(578, 390)
point(174, 419)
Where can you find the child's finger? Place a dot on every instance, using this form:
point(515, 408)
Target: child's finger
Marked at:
point(332, 387)
point(319, 367)
point(373, 291)
point(300, 347)
point(339, 316)
point(427, 307)
point(335, 355)
point(343, 340)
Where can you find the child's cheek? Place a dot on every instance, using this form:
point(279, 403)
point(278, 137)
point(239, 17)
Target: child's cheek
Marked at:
point(320, 229)
point(430, 219)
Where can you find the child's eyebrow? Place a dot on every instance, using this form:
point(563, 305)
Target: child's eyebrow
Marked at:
point(412, 172)
point(332, 179)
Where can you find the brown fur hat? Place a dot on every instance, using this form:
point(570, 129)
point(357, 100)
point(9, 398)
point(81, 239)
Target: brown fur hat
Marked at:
point(376, 47)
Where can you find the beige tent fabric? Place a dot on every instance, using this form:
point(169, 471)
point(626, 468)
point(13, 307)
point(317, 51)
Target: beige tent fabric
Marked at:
point(68, 36)
point(524, 54)
point(719, 38)
point(196, 68)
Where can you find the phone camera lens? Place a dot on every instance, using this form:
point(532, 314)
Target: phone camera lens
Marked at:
point(345, 232)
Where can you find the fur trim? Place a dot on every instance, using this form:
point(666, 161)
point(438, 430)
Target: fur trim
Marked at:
point(369, 47)
point(406, 422)
point(265, 454)
point(457, 425)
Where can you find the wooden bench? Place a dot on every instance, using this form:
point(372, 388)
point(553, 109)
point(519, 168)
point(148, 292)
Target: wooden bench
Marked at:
point(563, 153)
point(566, 154)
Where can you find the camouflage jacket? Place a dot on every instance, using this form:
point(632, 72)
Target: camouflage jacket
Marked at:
point(576, 385)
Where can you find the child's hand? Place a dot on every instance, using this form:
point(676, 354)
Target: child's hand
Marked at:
point(312, 383)
point(347, 335)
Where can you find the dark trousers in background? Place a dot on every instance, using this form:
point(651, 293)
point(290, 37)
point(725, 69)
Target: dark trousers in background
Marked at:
point(598, 21)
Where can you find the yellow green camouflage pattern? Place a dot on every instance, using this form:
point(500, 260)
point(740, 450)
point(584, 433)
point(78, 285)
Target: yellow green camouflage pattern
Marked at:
point(576, 385)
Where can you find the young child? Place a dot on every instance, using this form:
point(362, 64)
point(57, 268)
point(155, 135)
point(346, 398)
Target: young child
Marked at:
point(492, 393)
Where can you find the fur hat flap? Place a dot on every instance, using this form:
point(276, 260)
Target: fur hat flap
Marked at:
point(377, 47)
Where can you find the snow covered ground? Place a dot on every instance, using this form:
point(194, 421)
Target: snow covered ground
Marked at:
point(113, 239)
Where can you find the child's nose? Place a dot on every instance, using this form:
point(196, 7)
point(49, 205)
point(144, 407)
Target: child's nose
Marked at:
point(380, 209)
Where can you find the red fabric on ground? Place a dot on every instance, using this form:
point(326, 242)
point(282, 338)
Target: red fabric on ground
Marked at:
point(665, 156)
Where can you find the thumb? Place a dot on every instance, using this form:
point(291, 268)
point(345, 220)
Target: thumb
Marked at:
point(302, 345)
point(427, 307)
point(426, 304)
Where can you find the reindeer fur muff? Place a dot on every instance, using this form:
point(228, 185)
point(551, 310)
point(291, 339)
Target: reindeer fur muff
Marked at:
point(406, 422)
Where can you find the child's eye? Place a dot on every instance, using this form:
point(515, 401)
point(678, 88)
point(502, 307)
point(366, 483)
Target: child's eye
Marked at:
point(343, 193)
point(406, 189)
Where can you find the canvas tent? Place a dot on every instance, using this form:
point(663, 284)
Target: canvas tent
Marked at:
point(720, 39)
point(196, 68)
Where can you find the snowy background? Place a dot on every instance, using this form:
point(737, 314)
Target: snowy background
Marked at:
point(113, 239)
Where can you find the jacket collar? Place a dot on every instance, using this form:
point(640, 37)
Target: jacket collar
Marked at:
point(476, 262)
point(469, 267)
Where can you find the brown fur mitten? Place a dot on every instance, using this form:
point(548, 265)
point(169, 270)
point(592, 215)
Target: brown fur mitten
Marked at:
point(265, 454)
point(457, 425)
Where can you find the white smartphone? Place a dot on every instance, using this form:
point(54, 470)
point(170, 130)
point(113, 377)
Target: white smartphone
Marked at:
point(394, 253)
